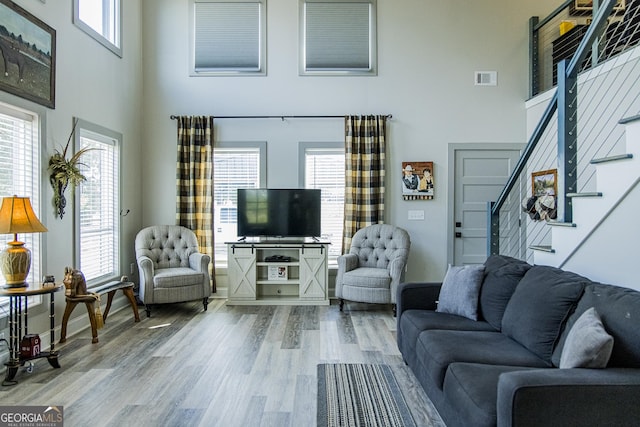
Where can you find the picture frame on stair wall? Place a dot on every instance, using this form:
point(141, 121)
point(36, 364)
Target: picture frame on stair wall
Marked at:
point(544, 183)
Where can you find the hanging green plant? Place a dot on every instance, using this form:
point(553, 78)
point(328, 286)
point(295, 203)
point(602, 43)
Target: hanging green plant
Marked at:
point(65, 172)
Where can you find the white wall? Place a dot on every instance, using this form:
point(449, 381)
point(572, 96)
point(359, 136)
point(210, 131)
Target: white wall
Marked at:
point(94, 84)
point(609, 255)
point(428, 51)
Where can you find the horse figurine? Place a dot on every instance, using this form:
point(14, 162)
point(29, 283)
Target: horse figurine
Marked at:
point(74, 282)
point(75, 293)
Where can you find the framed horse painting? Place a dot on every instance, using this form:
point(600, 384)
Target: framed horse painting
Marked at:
point(28, 49)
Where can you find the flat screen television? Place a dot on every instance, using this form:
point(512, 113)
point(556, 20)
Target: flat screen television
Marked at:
point(271, 212)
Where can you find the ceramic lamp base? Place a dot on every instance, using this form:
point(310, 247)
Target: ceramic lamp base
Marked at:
point(15, 262)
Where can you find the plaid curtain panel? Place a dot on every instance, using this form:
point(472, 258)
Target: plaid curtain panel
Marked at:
point(364, 174)
point(194, 181)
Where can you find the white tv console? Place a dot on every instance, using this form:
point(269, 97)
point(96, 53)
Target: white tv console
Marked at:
point(300, 279)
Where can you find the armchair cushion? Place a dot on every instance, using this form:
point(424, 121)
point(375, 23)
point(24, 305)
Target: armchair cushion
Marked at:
point(367, 277)
point(176, 277)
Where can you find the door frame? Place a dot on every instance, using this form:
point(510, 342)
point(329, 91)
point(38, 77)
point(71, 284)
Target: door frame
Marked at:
point(453, 148)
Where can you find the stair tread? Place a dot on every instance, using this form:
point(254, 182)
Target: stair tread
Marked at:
point(630, 119)
point(543, 248)
point(611, 158)
point(585, 194)
point(561, 224)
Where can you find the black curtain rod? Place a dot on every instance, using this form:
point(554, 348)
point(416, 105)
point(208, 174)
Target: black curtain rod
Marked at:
point(173, 117)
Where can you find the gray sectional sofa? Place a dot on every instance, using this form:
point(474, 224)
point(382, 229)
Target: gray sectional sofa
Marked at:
point(503, 368)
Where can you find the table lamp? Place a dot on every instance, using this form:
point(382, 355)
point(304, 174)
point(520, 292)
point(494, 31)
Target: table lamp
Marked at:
point(17, 216)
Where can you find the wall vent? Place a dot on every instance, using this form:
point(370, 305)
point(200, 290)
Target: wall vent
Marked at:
point(486, 78)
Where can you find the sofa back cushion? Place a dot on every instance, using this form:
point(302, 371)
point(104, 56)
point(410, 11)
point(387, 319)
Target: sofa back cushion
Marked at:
point(540, 306)
point(501, 276)
point(619, 310)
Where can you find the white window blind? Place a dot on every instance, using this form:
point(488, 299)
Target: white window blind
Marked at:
point(20, 173)
point(233, 168)
point(324, 169)
point(338, 36)
point(99, 250)
point(228, 36)
point(101, 20)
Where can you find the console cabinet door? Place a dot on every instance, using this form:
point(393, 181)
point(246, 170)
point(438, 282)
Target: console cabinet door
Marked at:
point(313, 273)
point(242, 273)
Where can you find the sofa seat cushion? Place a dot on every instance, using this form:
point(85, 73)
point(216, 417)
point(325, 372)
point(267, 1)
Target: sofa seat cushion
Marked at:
point(176, 277)
point(501, 276)
point(413, 322)
point(472, 389)
point(438, 349)
point(540, 306)
point(367, 277)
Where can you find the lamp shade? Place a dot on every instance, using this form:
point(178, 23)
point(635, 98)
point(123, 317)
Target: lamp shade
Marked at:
point(17, 216)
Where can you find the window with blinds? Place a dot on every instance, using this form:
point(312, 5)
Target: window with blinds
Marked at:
point(228, 37)
point(100, 19)
point(324, 170)
point(234, 167)
point(20, 173)
point(98, 204)
point(338, 37)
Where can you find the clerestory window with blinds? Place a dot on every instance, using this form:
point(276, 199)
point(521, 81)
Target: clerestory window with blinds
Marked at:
point(20, 170)
point(228, 37)
point(235, 165)
point(323, 168)
point(98, 203)
point(100, 19)
point(337, 37)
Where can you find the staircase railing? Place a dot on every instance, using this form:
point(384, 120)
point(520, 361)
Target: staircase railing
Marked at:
point(554, 143)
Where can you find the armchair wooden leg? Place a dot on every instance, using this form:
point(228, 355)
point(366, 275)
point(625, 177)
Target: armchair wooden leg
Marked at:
point(341, 304)
point(147, 308)
point(205, 303)
point(394, 310)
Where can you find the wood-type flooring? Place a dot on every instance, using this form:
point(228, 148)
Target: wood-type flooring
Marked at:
point(230, 366)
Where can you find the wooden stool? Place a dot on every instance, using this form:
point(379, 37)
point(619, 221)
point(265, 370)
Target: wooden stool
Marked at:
point(90, 299)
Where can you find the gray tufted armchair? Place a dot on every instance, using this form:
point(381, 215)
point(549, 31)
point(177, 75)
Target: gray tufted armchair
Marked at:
point(171, 267)
point(374, 266)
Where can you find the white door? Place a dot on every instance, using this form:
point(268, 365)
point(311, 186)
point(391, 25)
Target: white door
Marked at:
point(479, 176)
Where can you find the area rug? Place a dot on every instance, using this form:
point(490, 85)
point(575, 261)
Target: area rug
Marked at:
point(359, 395)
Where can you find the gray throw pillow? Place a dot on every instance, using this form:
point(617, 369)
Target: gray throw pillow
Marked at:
point(460, 290)
point(588, 344)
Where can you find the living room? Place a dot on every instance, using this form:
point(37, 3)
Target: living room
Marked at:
point(427, 54)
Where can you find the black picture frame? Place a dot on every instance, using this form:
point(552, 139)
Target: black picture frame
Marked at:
point(28, 51)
